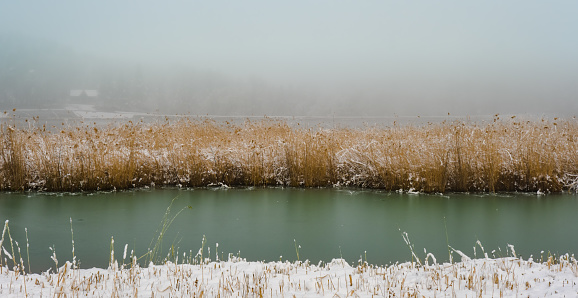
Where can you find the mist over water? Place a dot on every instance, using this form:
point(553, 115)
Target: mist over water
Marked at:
point(376, 58)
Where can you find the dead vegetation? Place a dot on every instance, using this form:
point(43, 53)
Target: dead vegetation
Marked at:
point(503, 155)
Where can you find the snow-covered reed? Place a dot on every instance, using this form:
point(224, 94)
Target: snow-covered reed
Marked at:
point(503, 155)
point(235, 277)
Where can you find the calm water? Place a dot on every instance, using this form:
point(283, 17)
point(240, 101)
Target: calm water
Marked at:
point(262, 224)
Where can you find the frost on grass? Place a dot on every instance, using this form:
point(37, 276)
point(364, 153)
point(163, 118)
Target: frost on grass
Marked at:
point(503, 277)
point(534, 156)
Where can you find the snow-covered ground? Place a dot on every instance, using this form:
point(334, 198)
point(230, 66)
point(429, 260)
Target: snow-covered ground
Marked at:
point(502, 277)
point(103, 115)
point(85, 111)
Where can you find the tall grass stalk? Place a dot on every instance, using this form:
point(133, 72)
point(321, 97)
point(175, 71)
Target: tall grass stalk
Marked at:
point(405, 237)
point(8, 255)
point(297, 248)
point(72, 239)
point(156, 245)
point(2, 262)
point(27, 249)
point(112, 263)
point(448, 241)
point(502, 155)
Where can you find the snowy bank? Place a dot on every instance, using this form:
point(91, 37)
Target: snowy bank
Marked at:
point(502, 277)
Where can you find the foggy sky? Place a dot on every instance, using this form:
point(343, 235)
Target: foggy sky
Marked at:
point(360, 57)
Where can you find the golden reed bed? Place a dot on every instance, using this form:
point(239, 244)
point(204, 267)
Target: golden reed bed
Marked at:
point(503, 155)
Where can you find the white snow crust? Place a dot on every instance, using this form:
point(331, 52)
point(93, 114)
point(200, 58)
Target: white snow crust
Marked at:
point(502, 277)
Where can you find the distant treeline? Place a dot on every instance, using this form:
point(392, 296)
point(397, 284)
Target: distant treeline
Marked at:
point(527, 156)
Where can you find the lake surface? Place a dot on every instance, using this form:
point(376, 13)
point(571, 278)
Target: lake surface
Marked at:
point(265, 224)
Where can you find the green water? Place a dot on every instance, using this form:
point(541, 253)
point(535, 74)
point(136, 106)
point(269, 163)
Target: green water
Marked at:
point(262, 224)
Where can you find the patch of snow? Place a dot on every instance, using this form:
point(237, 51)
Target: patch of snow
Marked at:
point(79, 107)
point(503, 277)
point(102, 115)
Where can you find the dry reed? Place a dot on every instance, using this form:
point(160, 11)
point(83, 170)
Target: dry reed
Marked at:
point(503, 155)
